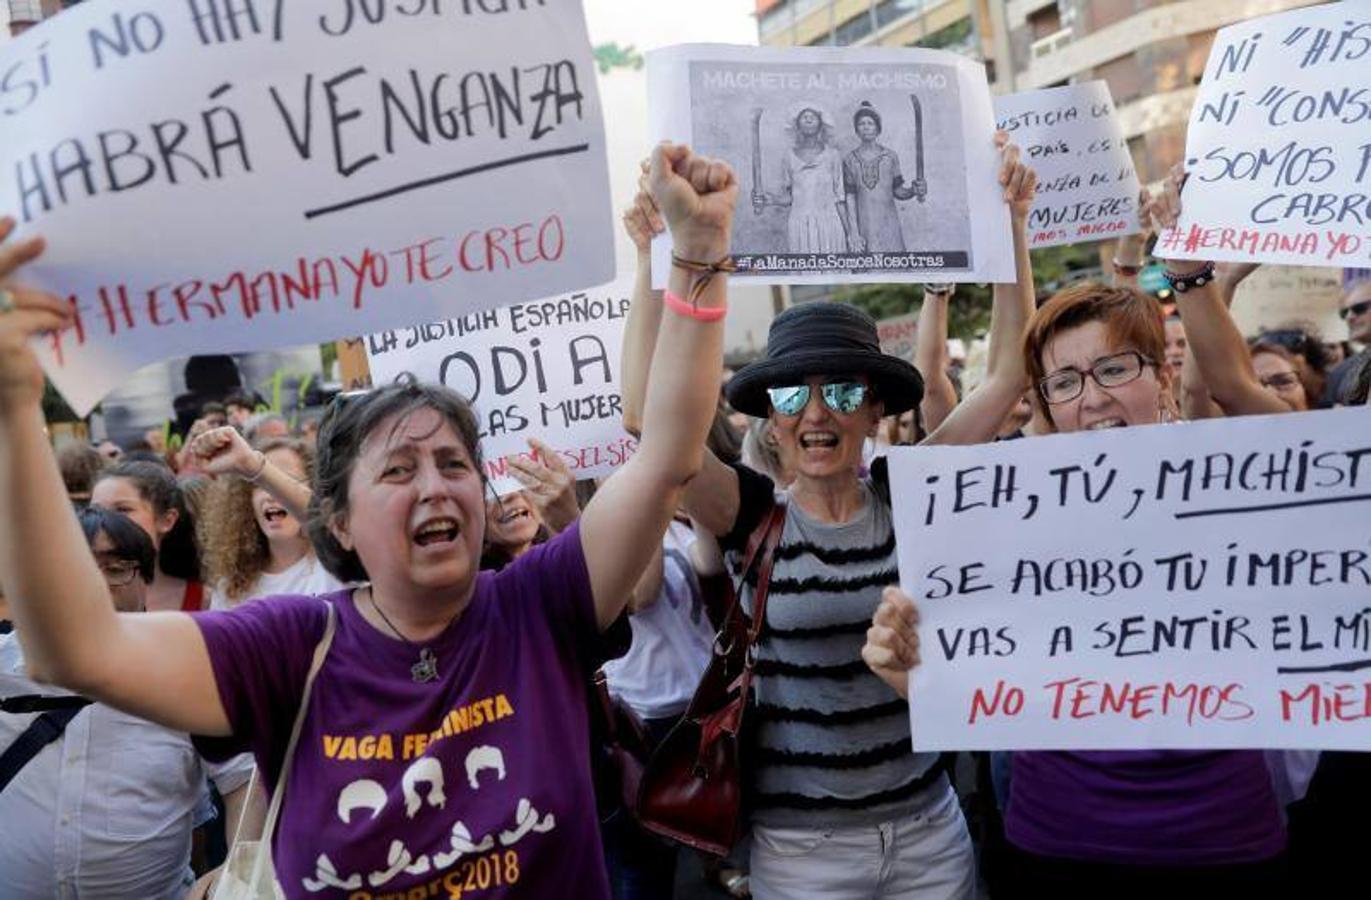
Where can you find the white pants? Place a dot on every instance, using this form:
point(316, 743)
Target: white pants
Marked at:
point(926, 856)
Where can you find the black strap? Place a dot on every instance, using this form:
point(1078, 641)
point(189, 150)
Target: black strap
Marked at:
point(30, 703)
point(41, 731)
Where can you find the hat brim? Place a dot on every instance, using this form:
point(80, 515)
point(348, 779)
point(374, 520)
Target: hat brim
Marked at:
point(898, 384)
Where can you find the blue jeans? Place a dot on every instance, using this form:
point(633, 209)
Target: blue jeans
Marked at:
point(641, 866)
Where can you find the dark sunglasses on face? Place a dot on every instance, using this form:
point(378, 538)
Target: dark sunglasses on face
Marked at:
point(839, 396)
point(1356, 309)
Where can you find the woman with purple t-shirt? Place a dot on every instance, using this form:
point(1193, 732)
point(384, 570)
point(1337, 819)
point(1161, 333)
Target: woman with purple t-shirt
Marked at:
point(1146, 823)
point(443, 748)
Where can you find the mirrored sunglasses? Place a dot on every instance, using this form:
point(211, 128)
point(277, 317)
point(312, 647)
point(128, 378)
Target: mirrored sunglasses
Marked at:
point(839, 396)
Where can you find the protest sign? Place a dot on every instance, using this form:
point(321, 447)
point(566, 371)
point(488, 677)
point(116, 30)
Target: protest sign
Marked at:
point(1281, 296)
point(217, 177)
point(854, 164)
point(1195, 585)
point(897, 335)
point(1277, 149)
point(547, 369)
point(1072, 137)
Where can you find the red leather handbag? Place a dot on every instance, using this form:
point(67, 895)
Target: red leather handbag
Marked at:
point(691, 790)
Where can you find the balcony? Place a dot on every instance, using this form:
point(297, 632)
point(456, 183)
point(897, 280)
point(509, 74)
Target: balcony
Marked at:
point(1042, 48)
point(1069, 58)
point(1018, 11)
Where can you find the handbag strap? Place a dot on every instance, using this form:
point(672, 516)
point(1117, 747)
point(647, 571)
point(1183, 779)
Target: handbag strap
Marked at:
point(769, 540)
point(278, 795)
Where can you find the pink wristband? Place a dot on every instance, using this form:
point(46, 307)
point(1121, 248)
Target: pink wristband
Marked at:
point(691, 311)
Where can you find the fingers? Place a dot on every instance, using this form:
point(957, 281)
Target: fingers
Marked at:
point(1001, 138)
point(549, 457)
point(14, 255)
point(1009, 158)
point(30, 322)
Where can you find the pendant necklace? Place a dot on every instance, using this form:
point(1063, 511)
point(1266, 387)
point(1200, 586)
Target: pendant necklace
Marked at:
point(426, 669)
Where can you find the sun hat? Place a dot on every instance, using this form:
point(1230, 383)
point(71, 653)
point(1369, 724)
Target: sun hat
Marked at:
point(824, 338)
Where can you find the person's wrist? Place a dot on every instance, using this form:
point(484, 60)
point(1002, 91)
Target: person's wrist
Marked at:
point(256, 467)
point(706, 245)
point(1186, 267)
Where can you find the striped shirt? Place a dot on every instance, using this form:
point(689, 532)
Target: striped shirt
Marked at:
point(833, 745)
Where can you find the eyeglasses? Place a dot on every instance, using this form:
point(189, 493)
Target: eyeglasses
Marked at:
point(1356, 309)
point(839, 396)
point(119, 574)
point(1281, 381)
point(1065, 385)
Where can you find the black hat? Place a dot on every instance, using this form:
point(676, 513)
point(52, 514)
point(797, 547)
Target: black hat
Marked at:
point(823, 338)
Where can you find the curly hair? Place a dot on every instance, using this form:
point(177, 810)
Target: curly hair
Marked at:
point(236, 552)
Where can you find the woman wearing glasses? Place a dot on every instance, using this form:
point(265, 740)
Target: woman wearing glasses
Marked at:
point(840, 806)
point(1140, 823)
point(444, 742)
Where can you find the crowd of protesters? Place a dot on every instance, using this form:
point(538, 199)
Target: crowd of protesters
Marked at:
point(317, 620)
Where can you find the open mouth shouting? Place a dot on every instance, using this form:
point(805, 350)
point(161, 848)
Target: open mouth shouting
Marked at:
point(819, 440)
point(273, 514)
point(437, 532)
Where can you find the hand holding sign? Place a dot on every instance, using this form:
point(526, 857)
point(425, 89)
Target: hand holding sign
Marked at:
point(892, 641)
point(697, 196)
point(24, 314)
point(1020, 183)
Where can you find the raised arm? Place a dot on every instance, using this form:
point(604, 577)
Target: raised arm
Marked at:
point(712, 497)
point(642, 221)
point(623, 526)
point(1218, 348)
point(979, 416)
point(930, 356)
point(223, 451)
point(154, 665)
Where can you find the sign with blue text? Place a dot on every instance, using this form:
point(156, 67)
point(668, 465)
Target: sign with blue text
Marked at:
point(1279, 145)
point(1072, 137)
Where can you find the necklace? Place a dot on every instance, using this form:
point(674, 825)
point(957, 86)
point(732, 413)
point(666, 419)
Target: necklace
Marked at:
point(426, 669)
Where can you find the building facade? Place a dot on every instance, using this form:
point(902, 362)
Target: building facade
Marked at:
point(962, 26)
point(1151, 52)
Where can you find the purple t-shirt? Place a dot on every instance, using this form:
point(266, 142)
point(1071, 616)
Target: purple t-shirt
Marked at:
point(475, 785)
point(1153, 807)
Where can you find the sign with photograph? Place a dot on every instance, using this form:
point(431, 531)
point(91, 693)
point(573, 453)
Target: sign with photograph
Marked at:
point(855, 164)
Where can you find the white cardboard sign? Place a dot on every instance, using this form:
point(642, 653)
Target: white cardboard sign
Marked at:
point(1171, 586)
point(1072, 137)
point(1277, 149)
point(217, 177)
point(547, 369)
point(898, 335)
point(824, 200)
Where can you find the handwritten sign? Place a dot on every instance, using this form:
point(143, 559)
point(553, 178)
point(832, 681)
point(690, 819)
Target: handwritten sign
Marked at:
point(547, 369)
point(898, 335)
point(1172, 586)
point(855, 164)
point(1072, 137)
point(1277, 150)
point(1280, 296)
point(217, 177)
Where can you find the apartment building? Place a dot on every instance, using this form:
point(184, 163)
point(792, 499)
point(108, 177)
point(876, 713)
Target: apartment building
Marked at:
point(1151, 52)
point(962, 26)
